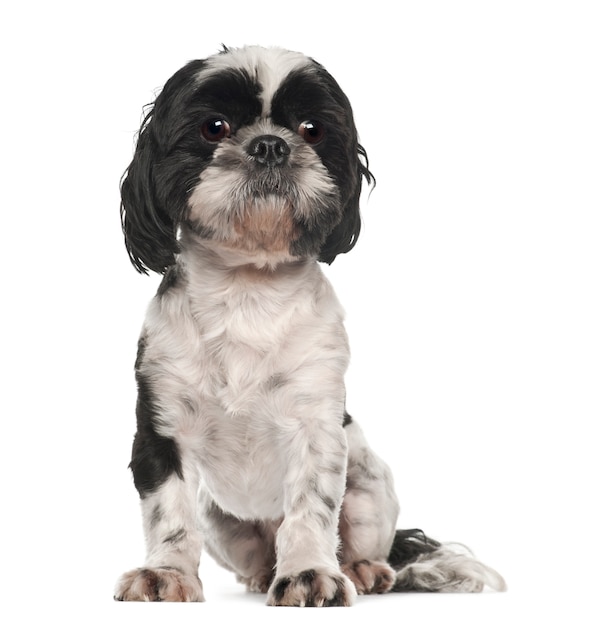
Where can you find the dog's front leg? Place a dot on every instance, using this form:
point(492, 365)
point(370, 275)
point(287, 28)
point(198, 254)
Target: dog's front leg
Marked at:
point(168, 491)
point(307, 572)
point(173, 548)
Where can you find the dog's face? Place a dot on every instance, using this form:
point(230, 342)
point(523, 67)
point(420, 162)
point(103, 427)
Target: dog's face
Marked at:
point(253, 150)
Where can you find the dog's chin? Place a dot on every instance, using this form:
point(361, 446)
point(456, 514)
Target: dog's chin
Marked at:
point(263, 224)
point(266, 224)
point(261, 232)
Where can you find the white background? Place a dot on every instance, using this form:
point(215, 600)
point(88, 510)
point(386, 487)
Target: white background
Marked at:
point(468, 295)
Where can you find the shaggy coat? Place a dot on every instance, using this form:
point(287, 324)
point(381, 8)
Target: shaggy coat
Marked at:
point(247, 173)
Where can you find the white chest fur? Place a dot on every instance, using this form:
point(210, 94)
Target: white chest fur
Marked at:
point(245, 360)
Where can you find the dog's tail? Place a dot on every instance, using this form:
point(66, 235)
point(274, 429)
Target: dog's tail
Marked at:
point(423, 564)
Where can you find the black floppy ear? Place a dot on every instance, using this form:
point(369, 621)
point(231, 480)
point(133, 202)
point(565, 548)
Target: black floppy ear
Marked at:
point(150, 233)
point(155, 185)
point(345, 234)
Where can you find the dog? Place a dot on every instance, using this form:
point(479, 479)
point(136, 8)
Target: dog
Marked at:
point(246, 176)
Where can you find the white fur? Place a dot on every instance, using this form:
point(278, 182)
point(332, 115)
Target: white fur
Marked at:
point(222, 342)
point(450, 569)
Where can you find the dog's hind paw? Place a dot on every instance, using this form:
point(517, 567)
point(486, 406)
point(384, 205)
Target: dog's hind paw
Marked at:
point(312, 588)
point(370, 576)
point(259, 583)
point(160, 584)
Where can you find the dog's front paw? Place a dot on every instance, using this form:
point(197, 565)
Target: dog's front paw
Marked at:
point(312, 588)
point(160, 584)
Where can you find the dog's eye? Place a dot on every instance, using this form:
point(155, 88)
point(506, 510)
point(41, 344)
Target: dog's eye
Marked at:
point(311, 131)
point(215, 129)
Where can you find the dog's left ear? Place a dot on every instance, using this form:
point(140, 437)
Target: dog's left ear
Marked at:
point(344, 236)
point(349, 173)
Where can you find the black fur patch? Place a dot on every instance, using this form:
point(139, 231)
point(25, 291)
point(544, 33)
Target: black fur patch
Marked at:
point(409, 545)
point(312, 93)
point(154, 457)
point(347, 419)
point(280, 588)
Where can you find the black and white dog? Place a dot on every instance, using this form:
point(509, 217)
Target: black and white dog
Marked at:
point(247, 173)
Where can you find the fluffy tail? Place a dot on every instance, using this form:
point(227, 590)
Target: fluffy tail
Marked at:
point(423, 564)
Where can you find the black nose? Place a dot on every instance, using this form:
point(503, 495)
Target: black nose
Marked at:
point(269, 150)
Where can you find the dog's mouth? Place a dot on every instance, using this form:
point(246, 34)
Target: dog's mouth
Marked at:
point(265, 210)
point(266, 207)
point(255, 213)
point(271, 181)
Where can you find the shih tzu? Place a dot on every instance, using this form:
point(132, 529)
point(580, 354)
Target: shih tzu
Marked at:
point(247, 173)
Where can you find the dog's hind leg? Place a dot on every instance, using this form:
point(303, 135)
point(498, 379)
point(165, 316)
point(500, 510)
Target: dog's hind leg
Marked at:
point(246, 548)
point(368, 517)
point(376, 557)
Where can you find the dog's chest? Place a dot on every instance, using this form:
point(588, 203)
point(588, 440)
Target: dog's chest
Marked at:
point(242, 347)
point(242, 466)
point(254, 361)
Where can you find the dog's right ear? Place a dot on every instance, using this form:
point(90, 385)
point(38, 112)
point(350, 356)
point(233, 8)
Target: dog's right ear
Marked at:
point(154, 187)
point(150, 232)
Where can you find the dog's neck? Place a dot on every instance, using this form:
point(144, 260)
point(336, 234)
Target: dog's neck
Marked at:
point(220, 290)
point(215, 256)
point(211, 268)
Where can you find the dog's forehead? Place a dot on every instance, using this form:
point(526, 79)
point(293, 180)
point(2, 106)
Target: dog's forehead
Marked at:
point(267, 67)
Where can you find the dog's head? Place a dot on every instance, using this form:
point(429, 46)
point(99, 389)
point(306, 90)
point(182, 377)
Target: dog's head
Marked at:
point(253, 150)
